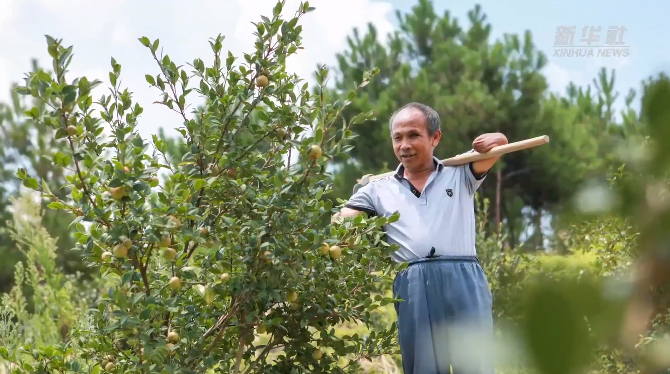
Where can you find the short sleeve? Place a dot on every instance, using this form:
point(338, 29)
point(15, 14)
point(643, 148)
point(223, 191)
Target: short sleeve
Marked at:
point(364, 200)
point(472, 179)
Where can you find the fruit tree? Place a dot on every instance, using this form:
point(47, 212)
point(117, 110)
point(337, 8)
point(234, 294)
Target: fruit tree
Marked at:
point(219, 266)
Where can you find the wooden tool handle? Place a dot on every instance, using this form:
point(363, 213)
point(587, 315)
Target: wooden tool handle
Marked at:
point(496, 151)
point(475, 156)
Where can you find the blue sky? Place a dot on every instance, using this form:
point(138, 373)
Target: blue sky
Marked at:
point(649, 47)
point(106, 28)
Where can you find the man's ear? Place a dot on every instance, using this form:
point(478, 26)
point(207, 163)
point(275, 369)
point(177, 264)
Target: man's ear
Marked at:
point(436, 138)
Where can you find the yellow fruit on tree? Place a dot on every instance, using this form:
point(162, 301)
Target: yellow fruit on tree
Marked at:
point(126, 170)
point(170, 254)
point(261, 329)
point(324, 249)
point(165, 241)
point(174, 283)
point(106, 256)
point(317, 354)
point(117, 193)
point(225, 277)
point(71, 130)
point(120, 251)
point(262, 81)
point(335, 252)
point(127, 243)
point(109, 366)
point(231, 172)
point(315, 152)
point(292, 296)
point(173, 337)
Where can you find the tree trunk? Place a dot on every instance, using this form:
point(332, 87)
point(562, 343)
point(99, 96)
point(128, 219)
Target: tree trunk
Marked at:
point(498, 207)
point(511, 237)
point(538, 227)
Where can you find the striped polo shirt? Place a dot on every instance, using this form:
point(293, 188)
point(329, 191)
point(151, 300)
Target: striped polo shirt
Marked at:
point(439, 221)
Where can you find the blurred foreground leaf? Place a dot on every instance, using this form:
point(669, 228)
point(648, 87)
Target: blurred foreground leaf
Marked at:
point(565, 321)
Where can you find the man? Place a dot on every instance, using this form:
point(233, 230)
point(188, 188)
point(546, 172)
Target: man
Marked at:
point(445, 317)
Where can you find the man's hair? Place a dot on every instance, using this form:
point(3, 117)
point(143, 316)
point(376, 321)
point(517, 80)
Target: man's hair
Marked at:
point(432, 118)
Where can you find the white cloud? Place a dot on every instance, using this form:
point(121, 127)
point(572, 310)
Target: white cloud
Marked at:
point(100, 29)
point(8, 12)
point(609, 62)
point(121, 34)
point(559, 78)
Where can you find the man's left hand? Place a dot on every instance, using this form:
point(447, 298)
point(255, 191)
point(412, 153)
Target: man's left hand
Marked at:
point(485, 142)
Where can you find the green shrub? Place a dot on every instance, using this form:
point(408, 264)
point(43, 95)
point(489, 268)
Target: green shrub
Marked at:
point(218, 268)
point(59, 301)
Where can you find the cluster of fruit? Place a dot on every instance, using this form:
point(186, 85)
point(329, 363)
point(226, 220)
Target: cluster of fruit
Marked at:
point(334, 252)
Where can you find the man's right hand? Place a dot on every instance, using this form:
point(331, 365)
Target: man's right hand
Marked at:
point(344, 213)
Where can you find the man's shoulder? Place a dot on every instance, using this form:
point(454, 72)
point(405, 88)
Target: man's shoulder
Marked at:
point(374, 184)
point(383, 182)
point(384, 179)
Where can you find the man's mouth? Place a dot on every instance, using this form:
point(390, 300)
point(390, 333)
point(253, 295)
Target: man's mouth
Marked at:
point(407, 156)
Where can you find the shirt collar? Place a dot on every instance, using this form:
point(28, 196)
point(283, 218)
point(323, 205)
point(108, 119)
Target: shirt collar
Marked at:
point(400, 170)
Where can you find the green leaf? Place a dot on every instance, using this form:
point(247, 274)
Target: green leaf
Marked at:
point(31, 183)
point(150, 79)
point(33, 113)
point(23, 90)
point(199, 183)
point(318, 135)
point(145, 314)
point(145, 41)
point(56, 205)
point(556, 335)
point(69, 94)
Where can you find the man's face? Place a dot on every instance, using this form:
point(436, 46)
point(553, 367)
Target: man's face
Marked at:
point(411, 143)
